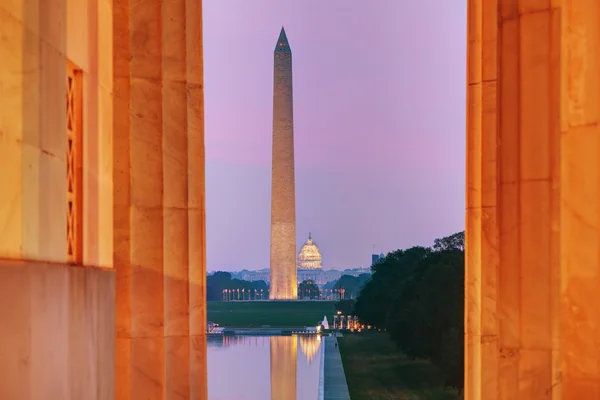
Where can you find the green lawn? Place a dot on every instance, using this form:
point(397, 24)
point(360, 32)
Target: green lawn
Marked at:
point(376, 370)
point(276, 314)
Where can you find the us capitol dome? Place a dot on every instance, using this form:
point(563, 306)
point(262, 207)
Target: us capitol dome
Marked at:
point(309, 256)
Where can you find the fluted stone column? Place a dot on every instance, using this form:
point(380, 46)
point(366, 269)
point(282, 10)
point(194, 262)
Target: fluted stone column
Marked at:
point(196, 199)
point(533, 246)
point(159, 200)
point(175, 217)
point(580, 200)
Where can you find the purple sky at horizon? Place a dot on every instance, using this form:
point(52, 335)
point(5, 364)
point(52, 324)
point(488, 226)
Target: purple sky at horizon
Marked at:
point(379, 125)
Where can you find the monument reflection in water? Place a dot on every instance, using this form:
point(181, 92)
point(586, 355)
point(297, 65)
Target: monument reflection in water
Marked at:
point(284, 356)
point(263, 367)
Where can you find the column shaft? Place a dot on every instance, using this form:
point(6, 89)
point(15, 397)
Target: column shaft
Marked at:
point(580, 204)
point(175, 164)
point(159, 200)
point(533, 180)
point(196, 199)
point(146, 197)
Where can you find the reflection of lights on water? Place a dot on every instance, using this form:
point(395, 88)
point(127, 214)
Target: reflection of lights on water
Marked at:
point(309, 345)
point(240, 340)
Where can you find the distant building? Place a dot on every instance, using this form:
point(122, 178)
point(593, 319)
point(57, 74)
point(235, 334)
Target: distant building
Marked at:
point(309, 263)
point(309, 256)
point(259, 275)
point(309, 267)
point(376, 257)
point(320, 277)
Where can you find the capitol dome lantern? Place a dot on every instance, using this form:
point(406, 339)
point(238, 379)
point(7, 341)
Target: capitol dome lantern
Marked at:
point(309, 257)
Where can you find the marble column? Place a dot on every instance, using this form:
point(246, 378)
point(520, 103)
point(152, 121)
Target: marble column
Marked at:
point(175, 195)
point(580, 203)
point(159, 200)
point(196, 199)
point(532, 324)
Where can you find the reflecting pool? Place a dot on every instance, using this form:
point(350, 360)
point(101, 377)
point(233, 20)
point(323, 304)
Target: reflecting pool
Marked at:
point(263, 367)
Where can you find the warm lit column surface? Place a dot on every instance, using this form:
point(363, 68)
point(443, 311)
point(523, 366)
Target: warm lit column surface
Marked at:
point(196, 199)
point(159, 200)
point(532, 320)
point(175, 195)
point(138, 201)
point(580, 204)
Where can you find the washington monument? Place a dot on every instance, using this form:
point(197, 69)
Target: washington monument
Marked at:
point(283, 193)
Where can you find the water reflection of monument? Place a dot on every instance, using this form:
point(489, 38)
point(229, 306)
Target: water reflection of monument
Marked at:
point(284, 355)
point(308, 344)
point(290, 359)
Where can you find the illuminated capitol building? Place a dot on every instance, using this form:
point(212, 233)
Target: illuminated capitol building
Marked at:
point(309, 257)
point(309, 264)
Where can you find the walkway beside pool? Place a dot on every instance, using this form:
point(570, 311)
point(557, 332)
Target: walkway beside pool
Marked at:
point(335, 386)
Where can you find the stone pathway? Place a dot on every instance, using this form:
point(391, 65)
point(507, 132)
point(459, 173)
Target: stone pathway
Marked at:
point(335, 386)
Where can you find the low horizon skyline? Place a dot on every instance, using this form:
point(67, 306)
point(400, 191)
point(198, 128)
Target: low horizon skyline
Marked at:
point(372, 167)
point(266, 268)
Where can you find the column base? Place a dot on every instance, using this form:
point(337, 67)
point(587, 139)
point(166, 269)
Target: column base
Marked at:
point(57, 331)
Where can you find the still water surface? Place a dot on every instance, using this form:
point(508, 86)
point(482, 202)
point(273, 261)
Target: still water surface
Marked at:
point(263, 367)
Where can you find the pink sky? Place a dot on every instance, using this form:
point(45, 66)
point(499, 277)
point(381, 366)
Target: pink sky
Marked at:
point(379, 125)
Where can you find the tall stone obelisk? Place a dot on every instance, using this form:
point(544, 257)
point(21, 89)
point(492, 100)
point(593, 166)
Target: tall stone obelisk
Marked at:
point(283, 193)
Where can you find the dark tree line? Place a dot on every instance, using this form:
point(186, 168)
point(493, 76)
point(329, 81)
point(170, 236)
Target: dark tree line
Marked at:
point(308, 290)
point(219, 281)
point(417, 295)
point(351, 285)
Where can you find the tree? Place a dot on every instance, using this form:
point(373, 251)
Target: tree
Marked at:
point(390, 276)
point(417, 294)
point(452, 242)
point(220, 281)
point(220, 276)
point(430, 307)
point(351, 285)
point(346, 307)
point(330, 285)
point(308, 290)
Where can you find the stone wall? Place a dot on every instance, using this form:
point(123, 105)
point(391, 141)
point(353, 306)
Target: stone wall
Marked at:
point(57, 334)
point(39, 39)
